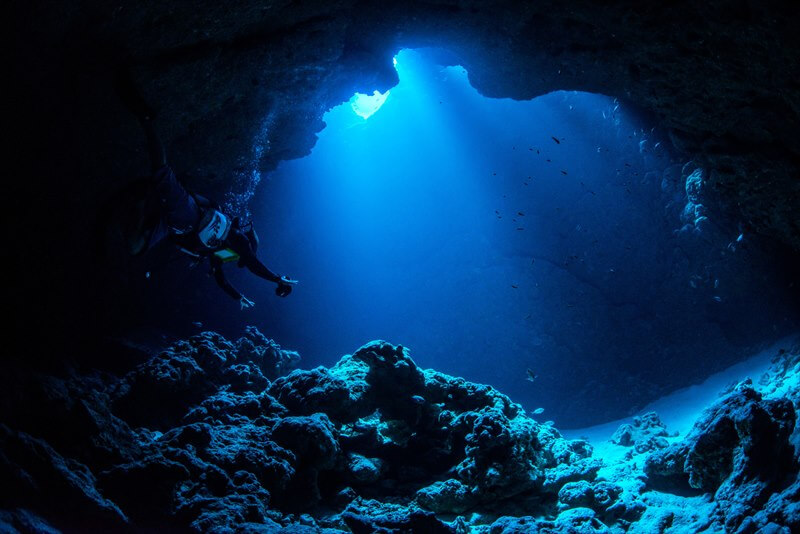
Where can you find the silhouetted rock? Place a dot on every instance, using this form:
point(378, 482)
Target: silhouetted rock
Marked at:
point(36, 476)
point(739, 450)
point(376, 444)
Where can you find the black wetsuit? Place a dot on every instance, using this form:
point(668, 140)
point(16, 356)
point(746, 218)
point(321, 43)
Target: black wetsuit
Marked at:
point(182, 214)
point(238, 242)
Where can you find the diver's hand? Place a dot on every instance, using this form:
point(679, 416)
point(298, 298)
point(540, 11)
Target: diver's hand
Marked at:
point(285, 287)
point(246, 303)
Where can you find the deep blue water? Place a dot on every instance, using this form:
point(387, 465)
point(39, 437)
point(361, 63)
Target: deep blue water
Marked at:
point(491, 236)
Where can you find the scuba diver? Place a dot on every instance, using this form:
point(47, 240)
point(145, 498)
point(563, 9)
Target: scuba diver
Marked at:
point(197, 226)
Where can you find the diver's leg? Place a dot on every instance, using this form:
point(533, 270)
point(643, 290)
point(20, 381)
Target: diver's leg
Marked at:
point(181, 212)
point(132, 97)
point(155, 149)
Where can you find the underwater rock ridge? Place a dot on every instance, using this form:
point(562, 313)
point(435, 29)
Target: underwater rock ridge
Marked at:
point(380, 446)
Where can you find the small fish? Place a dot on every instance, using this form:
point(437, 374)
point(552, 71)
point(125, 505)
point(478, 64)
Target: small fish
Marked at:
point(564, 172)
point(548, 161)
point(521, 214)
point(538, 411)
point(555, 139)
point(528, 316)
point(533, 260)
point(520, 228)
point(514, 286)
point(739, 239)
point(198, 324)
point(549, 423)
point(627, 164)
point(718, 298)
point(147, 275)
point(531, 375)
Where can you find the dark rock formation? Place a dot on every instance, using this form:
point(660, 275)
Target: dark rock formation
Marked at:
point(214, 451)
point(381, 446)
point(739, 450)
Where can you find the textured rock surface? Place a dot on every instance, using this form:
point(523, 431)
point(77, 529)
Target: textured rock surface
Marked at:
point(381, 446)
point(646, 433)
point(740, 451)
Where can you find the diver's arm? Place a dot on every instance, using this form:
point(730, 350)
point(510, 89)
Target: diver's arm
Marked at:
point(255, 266)
point(158, 156)
point(247, 258)
point(219, 276)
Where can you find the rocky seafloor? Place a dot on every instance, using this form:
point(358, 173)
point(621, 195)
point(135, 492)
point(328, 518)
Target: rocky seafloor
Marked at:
point(217, 436)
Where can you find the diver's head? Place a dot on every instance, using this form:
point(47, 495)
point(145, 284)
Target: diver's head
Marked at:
point(249, 231)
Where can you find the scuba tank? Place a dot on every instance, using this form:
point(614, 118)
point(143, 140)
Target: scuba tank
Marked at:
point(250, 232)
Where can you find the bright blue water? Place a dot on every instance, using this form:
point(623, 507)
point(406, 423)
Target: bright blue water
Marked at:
point(459, 227)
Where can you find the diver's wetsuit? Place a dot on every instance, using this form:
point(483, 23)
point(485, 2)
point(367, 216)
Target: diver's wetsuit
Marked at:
point(182, 216)
point(238, 242)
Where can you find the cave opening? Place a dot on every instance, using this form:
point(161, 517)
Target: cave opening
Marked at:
point(495, 236)
point(136, 394)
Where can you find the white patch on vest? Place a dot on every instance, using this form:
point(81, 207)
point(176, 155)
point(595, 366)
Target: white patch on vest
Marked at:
point(216, 230)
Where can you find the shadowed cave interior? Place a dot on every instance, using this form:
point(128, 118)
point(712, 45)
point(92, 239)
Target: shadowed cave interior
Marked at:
point(556, 219)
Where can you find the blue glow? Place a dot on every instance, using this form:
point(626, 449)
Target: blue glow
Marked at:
point(366, 105)
point(391, 227)
point(488, 235)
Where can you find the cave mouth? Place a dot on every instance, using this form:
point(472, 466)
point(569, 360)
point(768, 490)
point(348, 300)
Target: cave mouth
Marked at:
point(494, 236)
